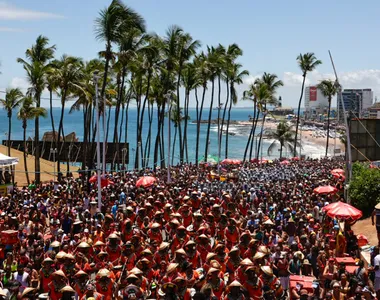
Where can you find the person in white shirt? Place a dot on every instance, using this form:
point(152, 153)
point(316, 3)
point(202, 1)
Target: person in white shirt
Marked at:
point(376, 263)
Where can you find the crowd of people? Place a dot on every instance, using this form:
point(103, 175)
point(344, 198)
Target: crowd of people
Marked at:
point(193, 238)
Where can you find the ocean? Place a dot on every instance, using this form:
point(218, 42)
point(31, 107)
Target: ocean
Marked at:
point(73, 122)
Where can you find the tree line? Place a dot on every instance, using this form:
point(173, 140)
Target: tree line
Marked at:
point(157, 73)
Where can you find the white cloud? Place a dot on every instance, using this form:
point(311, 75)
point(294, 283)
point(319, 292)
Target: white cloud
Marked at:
point(10, 29)
point(251, 79)
point(293, 79)
point(11, 12)
point(19, 82)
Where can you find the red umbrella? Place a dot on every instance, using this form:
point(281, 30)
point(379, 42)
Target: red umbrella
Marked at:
point(338, 176)
point(263, 161)
point(227, 161)
point(326, 189)
point(285, 162)
point(103, 180)
point(331, 206)
point(371, 166)
point(337, 171)
point(146, 181)
point(295, 158)
point(344, 211)
point(236, 161)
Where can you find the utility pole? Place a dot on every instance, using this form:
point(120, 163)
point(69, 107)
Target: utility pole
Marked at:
point(98, 169)
point(169, 138)
point(104, 135)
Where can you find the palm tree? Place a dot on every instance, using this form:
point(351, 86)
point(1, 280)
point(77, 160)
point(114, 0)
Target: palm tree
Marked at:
point(37, 67)
point(67, 74)
point(13, 98)
point(283, 135)
point(307, 63)
point(28, 112)
point(110, 26)
point(234, 77)
point(329, 90)
point(272, 84)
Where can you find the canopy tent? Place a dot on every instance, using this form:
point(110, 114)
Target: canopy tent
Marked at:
point(6, 161)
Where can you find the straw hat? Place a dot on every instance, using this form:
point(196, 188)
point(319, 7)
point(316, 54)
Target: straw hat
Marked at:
point(299, 254)
point(27, 291)
point(171, 267)
point(47, 260)
point(212, 270)
point(268, 222)
point(59, 273)
point(168, 285)
point(136, 271)
point(235, 283)
point(156, 225)
point(99, 244)
point(103, 273)
point(180, 251)
point(246, 262)
point(306, 262)
point(55, 244)
point(163, 246)
point(113, 236)
point(234, 249)
point(258, 255)
point(69, 256)
point(179, 278)
point(60, 255)
point(83, 245)
point(67, 289)
point(190, 243)
point(80, 273)
point(147, 252)
point(264, 250)
point(132, 276)
point(377, 206)
point(267, 270)
point(251, 268)
point(210, 255)
point(102, 253)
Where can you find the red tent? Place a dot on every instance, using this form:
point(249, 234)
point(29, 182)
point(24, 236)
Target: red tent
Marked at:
point(344, 211)
point(146, 181)
point(326, 189)
point(285, 162)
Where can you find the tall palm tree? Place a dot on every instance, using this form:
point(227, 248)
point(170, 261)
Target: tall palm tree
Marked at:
point(110, 26)
point(28, 112)
point(283, 135)
point(13, 99)
point(235, 77)
point(307, 63)
point(67, 74)
point(37, 66)
point(329, 90)
point(272, 84)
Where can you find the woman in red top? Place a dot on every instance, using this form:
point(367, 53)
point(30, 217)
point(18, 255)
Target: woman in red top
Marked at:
point(46, 274)
point(56, 285)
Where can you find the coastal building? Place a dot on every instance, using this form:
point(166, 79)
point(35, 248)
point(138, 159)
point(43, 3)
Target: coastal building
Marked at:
point(356, 101)
point(372, 112)
point(282, 111)
point(315, 102)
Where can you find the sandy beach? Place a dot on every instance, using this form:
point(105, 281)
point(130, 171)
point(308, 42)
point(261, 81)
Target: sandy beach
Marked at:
point(47, 167)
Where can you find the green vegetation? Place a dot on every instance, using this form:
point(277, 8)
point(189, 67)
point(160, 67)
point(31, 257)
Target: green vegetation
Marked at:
point(364, 187)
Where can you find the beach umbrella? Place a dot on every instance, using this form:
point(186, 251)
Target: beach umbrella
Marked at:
point(236, 161)
point(338, 176)
point(103, 180)
point(227, 161)
point(211, 159)
point(337, 171)
point(331, 206)
point(263, 161)
point(146, 181)
point(296, 158)
point(285, 162)
point(326, 189)
point(344, 211)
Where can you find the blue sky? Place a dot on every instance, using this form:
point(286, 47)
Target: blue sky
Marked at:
point(271, 34)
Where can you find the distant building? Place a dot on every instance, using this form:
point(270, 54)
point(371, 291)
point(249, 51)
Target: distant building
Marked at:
point(315, 103)
point(372, 112)
point(356, 101)
point(282, 111)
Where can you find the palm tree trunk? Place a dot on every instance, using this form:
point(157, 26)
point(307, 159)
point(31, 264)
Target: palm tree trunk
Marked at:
point(52, 117)
point(25, 163)
point(175, 138)
point(186, 120)
point(157, 141)
point(108, 122)
point(106, 65)
point(209, 120)
point(178, 107)
point(256, 118)
point(328, 127)
point(298, 116)
point(9, 131)
point(199, 119)
point(281, 146)
point(126, 122)
point(261, 137)
point(219, 128)
point(37, 176)
point(228, 119)
point(149, 136)
point(162, 139)
point(137, 133)
point(60, 129)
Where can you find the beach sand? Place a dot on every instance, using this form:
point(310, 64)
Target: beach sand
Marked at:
point(47, 167)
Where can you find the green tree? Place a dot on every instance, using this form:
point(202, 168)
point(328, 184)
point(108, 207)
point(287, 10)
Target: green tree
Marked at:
point(307, 63)
point(329, 90)
point(37, 67)
point(364, 189)
point(283, 135)
point(28, 112)
point(13, 99)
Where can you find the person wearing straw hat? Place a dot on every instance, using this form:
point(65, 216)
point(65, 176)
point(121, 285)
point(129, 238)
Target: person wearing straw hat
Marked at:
point(203, 246)
point(113, 247)
point(234, 291)
point(59, 282)
point(104, 283)
point(80, 280)
point(45, 273)
point(67, 292)
point(233, 263)
point(253, 284)
point(180, 239)
point(162, 253)
point(217, 284)
point(270, 281)
point(182, 290)
point(193, 256)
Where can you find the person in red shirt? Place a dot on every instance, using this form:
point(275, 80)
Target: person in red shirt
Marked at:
point(203, 246)
point(46, 274)
point(186, 215)
point(182, 291)
point(253, 284)
point(232, 263)
point(154, 233)
point(193, 256)
point(81, 279)
point(231, 233)
point(180, 239)
point(113, 248)
point(104, 284)
point(162, 254)
point(56, 285)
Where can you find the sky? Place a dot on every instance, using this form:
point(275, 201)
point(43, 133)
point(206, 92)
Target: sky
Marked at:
point(270, 33)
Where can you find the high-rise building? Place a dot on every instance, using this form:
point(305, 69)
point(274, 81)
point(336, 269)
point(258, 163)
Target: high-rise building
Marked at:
point(315, 102)
point(355, 101)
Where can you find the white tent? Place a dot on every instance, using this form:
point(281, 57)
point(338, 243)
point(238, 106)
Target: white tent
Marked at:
point(6, 161)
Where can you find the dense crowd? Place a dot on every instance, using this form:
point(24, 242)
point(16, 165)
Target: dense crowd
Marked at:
point(196, 237)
